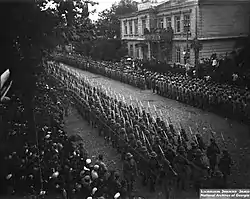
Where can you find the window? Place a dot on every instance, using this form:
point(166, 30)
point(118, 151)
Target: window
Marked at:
point(178, 55)
point(125, 27)
point(130, 28)
point(143, 25)
point(186, 24)
point(186, 54)
point(136, 26)
point(169, 22)
point(131, 50)
point(169, 56)
point(137, 52)
point(177, 24)
point(161, 23)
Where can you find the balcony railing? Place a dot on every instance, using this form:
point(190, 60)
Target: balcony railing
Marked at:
point(159, 35)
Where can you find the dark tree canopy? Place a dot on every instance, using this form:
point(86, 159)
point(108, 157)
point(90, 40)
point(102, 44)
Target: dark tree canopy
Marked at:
point(108, 25)
point(30, 31)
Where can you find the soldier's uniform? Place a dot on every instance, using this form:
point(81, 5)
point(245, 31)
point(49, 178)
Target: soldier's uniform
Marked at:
point(154, 169)
point(201, 173)
point(225, 164)
point(130, 171)
point(212, 153)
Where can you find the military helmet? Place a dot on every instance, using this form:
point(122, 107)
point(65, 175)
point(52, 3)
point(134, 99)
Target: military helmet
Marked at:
point(131, 136)
point(129, 155)
point(193, 144)
point(138, 142)
point(181, 149)
point(198, 153)
point(144, 149)
point(153, 154)
point(123, 130)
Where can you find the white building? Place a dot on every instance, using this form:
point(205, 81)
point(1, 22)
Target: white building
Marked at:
point(217, 24)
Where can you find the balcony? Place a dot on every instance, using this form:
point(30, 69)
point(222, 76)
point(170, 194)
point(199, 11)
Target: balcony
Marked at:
point(158, 35)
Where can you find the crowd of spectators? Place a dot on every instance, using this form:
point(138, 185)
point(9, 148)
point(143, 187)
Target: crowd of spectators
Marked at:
point(54, 164)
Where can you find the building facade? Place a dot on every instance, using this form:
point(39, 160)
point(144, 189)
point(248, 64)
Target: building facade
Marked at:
point(165, 30)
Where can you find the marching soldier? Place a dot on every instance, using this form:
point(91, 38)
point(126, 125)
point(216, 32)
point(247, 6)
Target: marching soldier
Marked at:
point(168, 179)
point(153, 172)
point(192, 152)
point(132, 118)
point(182, 168)
point(212, 153)
point(225, 164)
point(201, 143)
point(130, 171)
point(200, 172)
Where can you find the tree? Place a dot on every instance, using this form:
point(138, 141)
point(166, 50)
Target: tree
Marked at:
point(115, 50)
point(108, 24)
point(30, 30)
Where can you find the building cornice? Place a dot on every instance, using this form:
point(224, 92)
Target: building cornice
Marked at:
point(222, 2)
point(177, 6)
point(221, 37)
point(137, 13)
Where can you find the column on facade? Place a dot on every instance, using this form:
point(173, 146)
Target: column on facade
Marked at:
point(149, 50)
point(133, 26)
point(134, 50)
point(140, 52)
point(164, 22)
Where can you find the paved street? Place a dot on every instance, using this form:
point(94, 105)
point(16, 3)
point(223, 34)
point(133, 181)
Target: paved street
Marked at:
point(95, 145)
point(230, 134)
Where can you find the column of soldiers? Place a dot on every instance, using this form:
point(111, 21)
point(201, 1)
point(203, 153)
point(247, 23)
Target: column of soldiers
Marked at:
point(211, 96)
point(166, 155)
point(121, 73)
point(204, 95)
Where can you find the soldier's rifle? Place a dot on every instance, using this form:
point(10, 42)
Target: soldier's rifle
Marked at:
point(137, 133)
point(165, 135)
point(161, 115)
point(211, 132)
point(155, 111)
point(183, 157)
point(180, 136)
point(149, 145)
point(167, 161)
point(149, 107)
point(143, 137)
point(193, 136)
point(169, 119)
point(223, 140)
point(167, 122)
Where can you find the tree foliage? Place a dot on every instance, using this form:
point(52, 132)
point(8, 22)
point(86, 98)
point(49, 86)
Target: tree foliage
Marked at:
point(32, 29)
point(115, 51)
point(108, 24)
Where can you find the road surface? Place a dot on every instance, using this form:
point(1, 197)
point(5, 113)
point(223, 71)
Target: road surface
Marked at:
point(230, 134)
